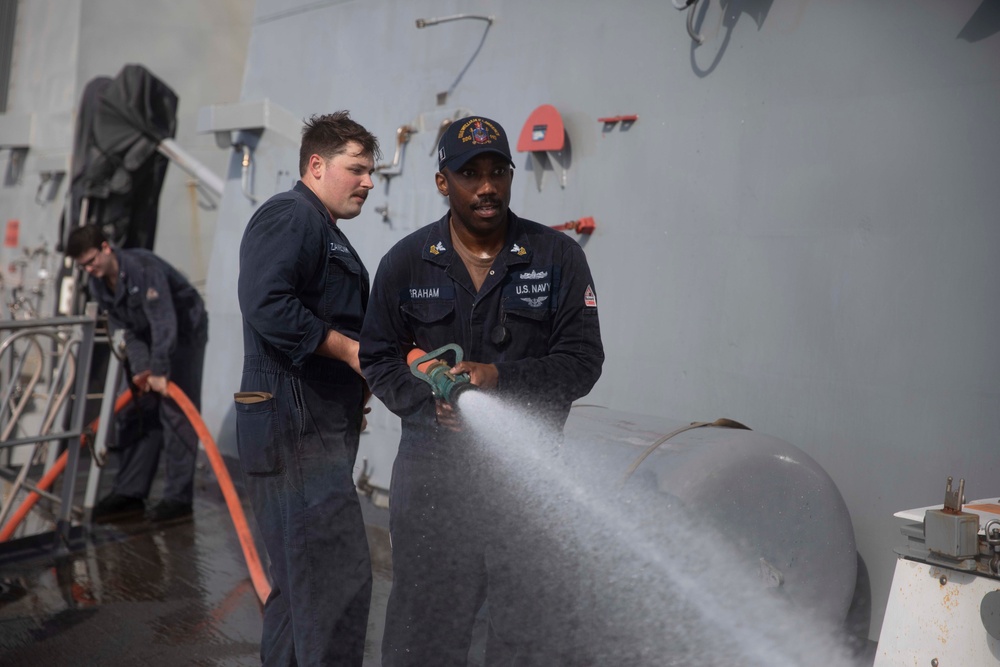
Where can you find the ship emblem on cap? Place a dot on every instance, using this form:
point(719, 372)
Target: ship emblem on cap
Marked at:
point(479, 133)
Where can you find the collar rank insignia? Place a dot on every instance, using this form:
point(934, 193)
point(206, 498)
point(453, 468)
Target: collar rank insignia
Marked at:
point(518, 250)
point(437, 249)
point(152, 294)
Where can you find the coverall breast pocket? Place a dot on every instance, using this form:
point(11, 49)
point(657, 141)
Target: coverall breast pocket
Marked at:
point(433, 318)
point(135, 303)
point(344, 285)
point(529, 331)
point(256, 427)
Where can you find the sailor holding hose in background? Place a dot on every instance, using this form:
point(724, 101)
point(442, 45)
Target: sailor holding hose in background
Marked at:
point(518, 298)
point(166, 330)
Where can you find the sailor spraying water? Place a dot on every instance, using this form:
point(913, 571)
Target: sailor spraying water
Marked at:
point(519, 299)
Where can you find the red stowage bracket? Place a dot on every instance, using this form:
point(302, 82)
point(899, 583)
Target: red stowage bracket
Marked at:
point(611, 120)
point(581, 226)
point(585, 226)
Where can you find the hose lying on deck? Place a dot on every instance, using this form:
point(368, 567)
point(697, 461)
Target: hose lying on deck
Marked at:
point(260, 583)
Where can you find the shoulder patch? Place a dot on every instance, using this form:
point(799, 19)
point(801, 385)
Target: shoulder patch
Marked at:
point(589, 300)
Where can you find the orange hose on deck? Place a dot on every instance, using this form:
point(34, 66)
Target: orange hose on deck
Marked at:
point(257, 576)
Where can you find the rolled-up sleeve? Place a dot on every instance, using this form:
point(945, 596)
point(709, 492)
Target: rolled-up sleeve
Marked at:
point(278, 253)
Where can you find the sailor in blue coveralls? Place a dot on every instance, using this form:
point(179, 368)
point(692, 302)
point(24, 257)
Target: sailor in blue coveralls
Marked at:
point(166, 330)
point(303, 292)
point(518, 298)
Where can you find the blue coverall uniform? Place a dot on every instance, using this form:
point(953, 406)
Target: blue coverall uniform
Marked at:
point(444, 507)
point(166, 329)
point(299, 278)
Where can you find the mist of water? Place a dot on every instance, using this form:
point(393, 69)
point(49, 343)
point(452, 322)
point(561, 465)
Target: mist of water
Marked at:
point(656, 583)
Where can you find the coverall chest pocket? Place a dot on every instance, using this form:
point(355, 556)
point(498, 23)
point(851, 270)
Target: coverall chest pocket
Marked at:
point(134, 304)
point(342, 295)
point(431, 320)
point(530, 330)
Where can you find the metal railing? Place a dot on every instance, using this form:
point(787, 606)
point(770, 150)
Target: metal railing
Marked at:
point(47, 359)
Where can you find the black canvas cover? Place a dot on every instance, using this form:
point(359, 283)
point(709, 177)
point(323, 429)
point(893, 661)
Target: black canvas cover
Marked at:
point(116, 166)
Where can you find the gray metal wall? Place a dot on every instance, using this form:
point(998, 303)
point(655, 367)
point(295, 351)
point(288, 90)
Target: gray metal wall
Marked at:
point(800, 231)
point(198, 48)
point(40, 101)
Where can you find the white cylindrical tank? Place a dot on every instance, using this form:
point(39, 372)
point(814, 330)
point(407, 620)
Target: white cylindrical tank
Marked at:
point(769, 502)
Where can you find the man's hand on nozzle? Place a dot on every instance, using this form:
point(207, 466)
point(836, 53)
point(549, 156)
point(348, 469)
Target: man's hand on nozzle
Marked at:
point(484, 376)
point(447, 416)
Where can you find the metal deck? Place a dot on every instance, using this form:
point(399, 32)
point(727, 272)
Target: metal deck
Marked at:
point(134, 593)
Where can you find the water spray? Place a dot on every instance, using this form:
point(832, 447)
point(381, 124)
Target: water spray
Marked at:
point(435, 371)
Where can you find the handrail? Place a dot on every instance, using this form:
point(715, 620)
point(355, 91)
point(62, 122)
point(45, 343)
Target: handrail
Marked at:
point(78, 375)
point(12, 383)
point(61, 379)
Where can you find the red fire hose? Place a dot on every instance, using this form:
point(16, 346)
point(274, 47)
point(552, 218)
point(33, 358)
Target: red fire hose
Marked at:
point(257, 576)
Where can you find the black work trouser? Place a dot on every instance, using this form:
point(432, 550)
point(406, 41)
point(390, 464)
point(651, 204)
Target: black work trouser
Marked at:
point(439, 577)
point(298, 450)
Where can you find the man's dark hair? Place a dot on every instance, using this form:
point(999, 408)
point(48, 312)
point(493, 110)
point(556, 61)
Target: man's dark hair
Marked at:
point(329, 134)
point(83, 239)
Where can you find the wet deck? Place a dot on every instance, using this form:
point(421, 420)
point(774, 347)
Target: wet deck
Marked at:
point(161, 595)
point(134, 593)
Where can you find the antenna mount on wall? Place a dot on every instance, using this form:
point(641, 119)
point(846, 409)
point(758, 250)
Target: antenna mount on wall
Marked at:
point(442, 97)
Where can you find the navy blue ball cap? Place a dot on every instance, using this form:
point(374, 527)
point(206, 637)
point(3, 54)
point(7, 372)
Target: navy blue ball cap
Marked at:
point(468, 137)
